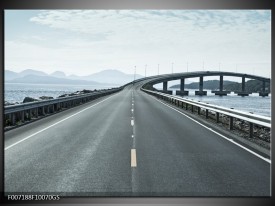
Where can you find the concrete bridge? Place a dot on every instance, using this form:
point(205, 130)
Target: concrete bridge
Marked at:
point(201, 74)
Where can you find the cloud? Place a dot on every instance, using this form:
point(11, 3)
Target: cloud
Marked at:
point(123, 38)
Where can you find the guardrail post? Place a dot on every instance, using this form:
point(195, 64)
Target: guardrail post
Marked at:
point(251, 129)
point(28, 114)
point(206, 113)
point(192, 108)
point(230, 123)
point(13, 119)
point(22, 116)
point(217, 117)
point(199, 110)
point(186, 106)
point(36, 112)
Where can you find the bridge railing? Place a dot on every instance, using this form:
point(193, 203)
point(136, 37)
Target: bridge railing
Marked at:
point(18, 114)
point(232, 114)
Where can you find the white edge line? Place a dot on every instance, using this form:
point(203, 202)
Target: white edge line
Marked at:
point(55, 123)
point(230, 140)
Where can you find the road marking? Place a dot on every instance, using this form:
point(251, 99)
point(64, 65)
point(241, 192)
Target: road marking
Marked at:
point(56, 123)
point(132, 136)
point(228, 139)
point(133, 158)
point(132, 122)
point(132, 110)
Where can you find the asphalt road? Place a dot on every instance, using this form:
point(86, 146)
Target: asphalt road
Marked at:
point(128, 144)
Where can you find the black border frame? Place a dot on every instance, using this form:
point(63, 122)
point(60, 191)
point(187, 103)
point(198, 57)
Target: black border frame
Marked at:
point(131, 4)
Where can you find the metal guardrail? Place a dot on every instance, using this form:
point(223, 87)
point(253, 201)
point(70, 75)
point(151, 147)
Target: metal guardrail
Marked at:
point(231, 113)
point(15, 113)
point(254, 117)
point(41, 103)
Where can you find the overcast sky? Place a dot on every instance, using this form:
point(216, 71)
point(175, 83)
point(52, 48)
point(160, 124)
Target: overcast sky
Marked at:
point(83, 42)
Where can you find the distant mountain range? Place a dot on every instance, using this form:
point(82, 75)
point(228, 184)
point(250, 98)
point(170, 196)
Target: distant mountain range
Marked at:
point(109, 77)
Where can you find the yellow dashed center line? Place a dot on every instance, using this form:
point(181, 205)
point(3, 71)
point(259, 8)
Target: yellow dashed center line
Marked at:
point(133, 158)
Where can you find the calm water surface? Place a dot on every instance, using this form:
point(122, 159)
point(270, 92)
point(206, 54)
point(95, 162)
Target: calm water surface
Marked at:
point(253, 103)
point(16, 92)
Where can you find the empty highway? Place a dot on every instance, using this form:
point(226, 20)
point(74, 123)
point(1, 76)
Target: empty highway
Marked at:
point(129, 144)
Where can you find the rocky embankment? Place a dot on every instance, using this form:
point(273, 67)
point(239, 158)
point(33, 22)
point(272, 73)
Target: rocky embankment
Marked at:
point(31, 99)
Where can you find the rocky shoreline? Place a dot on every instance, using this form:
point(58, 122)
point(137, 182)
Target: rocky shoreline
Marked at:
point(31, 99)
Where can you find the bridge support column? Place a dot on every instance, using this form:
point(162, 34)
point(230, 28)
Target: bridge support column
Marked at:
point(221, 83)
point(182, 92)
point(165, 90)
point(206, 113)
point(201, 92)
point(263, 93)
point(164, 86)
point(221, 92)
point(243, 92)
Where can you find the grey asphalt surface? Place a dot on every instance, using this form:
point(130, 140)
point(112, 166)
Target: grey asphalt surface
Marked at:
point(90, 154)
